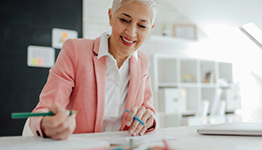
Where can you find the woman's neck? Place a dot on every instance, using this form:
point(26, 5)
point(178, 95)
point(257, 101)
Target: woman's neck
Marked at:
point(118, 57)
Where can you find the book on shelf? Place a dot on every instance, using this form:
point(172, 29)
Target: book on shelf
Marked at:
point(187, 78)
point(209, 77)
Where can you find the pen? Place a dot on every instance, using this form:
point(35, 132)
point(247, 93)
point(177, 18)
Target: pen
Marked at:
point(137, 118)
point(30, 114)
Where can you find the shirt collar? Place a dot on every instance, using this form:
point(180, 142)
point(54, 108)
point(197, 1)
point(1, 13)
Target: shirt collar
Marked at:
point(103, 47)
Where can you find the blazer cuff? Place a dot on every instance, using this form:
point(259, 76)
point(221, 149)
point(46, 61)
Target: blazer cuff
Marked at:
point(35, 127)
point(152, 128)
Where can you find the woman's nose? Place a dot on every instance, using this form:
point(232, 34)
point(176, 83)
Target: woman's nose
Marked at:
point(131, 30)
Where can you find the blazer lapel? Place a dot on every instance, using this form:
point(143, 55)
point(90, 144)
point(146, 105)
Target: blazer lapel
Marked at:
point(100, 73)
point(135, 77)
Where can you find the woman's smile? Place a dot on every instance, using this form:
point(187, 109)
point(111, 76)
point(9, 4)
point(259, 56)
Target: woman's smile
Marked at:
point(127, 41)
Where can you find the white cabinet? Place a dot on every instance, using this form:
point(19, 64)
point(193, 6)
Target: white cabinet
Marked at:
point(182, 84)
point(172, 100)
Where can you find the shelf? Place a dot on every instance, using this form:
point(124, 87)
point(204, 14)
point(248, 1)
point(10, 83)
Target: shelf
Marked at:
point(164, 114)
point(208, 85)
point(171, 75)
point(226, 86)
point(167, 85)
point(225, 72)
point(208, 71)
point(188, 113)
point(168, 39)
point(183, 84)
point(188, 71)
point(189, 85)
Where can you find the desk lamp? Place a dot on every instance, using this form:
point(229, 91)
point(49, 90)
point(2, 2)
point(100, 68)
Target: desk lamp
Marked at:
point(253, 32)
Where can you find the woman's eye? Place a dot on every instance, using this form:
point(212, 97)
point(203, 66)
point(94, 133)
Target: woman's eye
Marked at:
point(142, 26)
point(124, 20)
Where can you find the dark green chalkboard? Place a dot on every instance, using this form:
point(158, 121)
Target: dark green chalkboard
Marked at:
point(23, 23)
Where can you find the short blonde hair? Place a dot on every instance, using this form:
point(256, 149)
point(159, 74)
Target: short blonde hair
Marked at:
point(152, 4)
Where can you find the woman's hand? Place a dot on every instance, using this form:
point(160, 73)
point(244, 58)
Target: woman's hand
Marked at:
point(59, 126)
point(146, 115)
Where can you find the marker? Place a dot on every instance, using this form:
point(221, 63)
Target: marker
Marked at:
point(29, 114)
point(137, 118)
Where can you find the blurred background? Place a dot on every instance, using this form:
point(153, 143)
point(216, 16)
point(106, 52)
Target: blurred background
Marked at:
point(204, 69)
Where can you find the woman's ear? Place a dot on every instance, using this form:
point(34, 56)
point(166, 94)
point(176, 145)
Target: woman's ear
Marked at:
point(110, 16)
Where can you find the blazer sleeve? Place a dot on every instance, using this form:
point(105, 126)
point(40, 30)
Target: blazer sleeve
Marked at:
point(148, 96)
point(148, 101)
point(59, 85)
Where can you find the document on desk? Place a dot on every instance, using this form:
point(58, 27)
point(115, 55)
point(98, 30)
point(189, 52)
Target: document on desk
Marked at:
point(122, 138)
point(80, 141)
point(37, 143)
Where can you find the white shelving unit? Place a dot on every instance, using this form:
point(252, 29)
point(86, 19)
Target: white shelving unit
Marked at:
point(183, 83)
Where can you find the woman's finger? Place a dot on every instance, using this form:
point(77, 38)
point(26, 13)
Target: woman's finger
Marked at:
point(145, 117)
point(135, 124)
point(65, 129)
point(62, 126)
point(131, 115)
point(149, 123)
point(54, 124)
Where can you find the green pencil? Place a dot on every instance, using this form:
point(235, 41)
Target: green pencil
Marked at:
point(30, 114)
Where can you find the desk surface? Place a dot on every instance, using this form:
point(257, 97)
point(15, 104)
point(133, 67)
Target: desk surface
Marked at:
point(179, 138)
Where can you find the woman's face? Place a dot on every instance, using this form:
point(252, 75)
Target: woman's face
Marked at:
point(131, 24)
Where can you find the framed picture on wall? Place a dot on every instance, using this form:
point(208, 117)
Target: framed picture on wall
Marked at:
point(185, 31)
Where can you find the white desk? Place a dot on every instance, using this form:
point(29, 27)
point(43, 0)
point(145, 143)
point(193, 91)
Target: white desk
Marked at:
point(184, 138)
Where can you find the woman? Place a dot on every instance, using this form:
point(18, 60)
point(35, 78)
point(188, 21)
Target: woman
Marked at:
point(102, 78)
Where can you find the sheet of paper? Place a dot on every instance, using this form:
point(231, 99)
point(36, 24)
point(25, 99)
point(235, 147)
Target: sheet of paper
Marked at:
point(40, 56)
point(59, 36)
point(37, 143)
point(83, 141)
point(123, 138)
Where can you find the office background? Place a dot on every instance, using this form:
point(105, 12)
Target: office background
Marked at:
point(23, 23)
point(218, 39)
point(30, 22)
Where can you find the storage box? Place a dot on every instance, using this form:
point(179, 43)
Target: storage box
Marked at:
point(171, 101)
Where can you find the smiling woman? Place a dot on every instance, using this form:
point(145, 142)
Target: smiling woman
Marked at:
point(131, 23)
point(101, 79)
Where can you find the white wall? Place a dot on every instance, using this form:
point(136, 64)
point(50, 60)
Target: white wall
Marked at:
point(236, 12)
point(95, 18)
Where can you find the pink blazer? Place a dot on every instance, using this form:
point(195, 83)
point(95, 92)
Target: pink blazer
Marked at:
point(77, 82)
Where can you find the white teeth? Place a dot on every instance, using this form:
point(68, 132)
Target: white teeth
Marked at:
point(127, 40)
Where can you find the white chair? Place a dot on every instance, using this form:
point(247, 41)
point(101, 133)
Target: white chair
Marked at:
point(27, 131)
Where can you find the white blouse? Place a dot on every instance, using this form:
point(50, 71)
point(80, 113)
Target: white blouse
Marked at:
point(117, 83)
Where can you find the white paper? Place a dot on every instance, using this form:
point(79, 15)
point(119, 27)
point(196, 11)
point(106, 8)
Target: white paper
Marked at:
point(59, 36)
point(82, 141)
point(123, 138)
point(37, 143)
point(39, 56)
